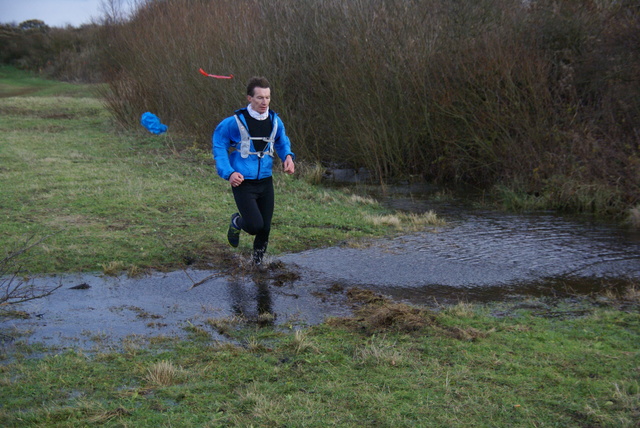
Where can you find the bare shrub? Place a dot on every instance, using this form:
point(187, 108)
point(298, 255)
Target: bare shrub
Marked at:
point(15, 286)
point(480, 92)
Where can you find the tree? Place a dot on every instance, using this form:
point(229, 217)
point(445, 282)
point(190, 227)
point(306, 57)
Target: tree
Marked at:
point(34, 25)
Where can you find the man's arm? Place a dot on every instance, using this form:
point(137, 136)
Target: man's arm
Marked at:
point(221, 141)
point(282, 143)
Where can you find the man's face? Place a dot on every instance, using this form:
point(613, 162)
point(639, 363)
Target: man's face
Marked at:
point(260, 99)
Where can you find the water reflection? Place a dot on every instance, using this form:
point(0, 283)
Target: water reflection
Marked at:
point(251, 299)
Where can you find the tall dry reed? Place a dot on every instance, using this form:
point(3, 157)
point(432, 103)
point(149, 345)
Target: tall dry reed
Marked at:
point(478, 92)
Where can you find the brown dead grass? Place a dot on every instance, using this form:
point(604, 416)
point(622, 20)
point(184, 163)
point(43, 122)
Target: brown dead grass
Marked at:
point(375, 313)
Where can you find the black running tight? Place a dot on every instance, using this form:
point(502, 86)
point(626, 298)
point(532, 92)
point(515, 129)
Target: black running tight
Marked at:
point(255, 201)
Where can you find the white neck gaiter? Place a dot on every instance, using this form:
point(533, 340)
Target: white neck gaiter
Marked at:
point(258, 116)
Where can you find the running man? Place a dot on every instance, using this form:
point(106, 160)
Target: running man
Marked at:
point(243, 148)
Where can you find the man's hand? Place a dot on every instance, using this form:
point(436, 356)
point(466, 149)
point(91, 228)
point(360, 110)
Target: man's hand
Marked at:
point(289, 166)
point(236, 179)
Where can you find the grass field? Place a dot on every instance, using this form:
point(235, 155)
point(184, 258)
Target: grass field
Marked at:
point(103, 198)
point(535, 363)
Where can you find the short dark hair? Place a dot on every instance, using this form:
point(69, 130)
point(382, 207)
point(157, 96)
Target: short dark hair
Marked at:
point(256, 82)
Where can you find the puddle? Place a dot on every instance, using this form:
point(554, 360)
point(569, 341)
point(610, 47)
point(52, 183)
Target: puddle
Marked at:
point(96, 312)
point(482, 257)
point(478, 255)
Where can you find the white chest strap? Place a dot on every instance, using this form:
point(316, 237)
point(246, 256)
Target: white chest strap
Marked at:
point(245, 140)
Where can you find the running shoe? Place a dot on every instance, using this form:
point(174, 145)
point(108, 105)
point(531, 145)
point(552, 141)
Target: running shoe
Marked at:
point(233, 234)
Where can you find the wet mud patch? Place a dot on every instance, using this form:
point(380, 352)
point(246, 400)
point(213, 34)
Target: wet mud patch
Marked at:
point(29, 112)
point(42, 109)
point(7, 91)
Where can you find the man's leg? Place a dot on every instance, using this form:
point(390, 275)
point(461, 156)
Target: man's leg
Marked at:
point(246, 197)
point(255, 202)
point(265, 205)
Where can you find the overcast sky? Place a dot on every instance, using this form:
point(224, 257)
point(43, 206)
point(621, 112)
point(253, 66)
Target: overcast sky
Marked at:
point(54, 13)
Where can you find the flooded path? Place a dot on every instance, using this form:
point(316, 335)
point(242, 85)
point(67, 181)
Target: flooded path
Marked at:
point(478, 255)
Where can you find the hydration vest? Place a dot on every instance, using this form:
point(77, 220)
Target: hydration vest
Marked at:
point(245, 140)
